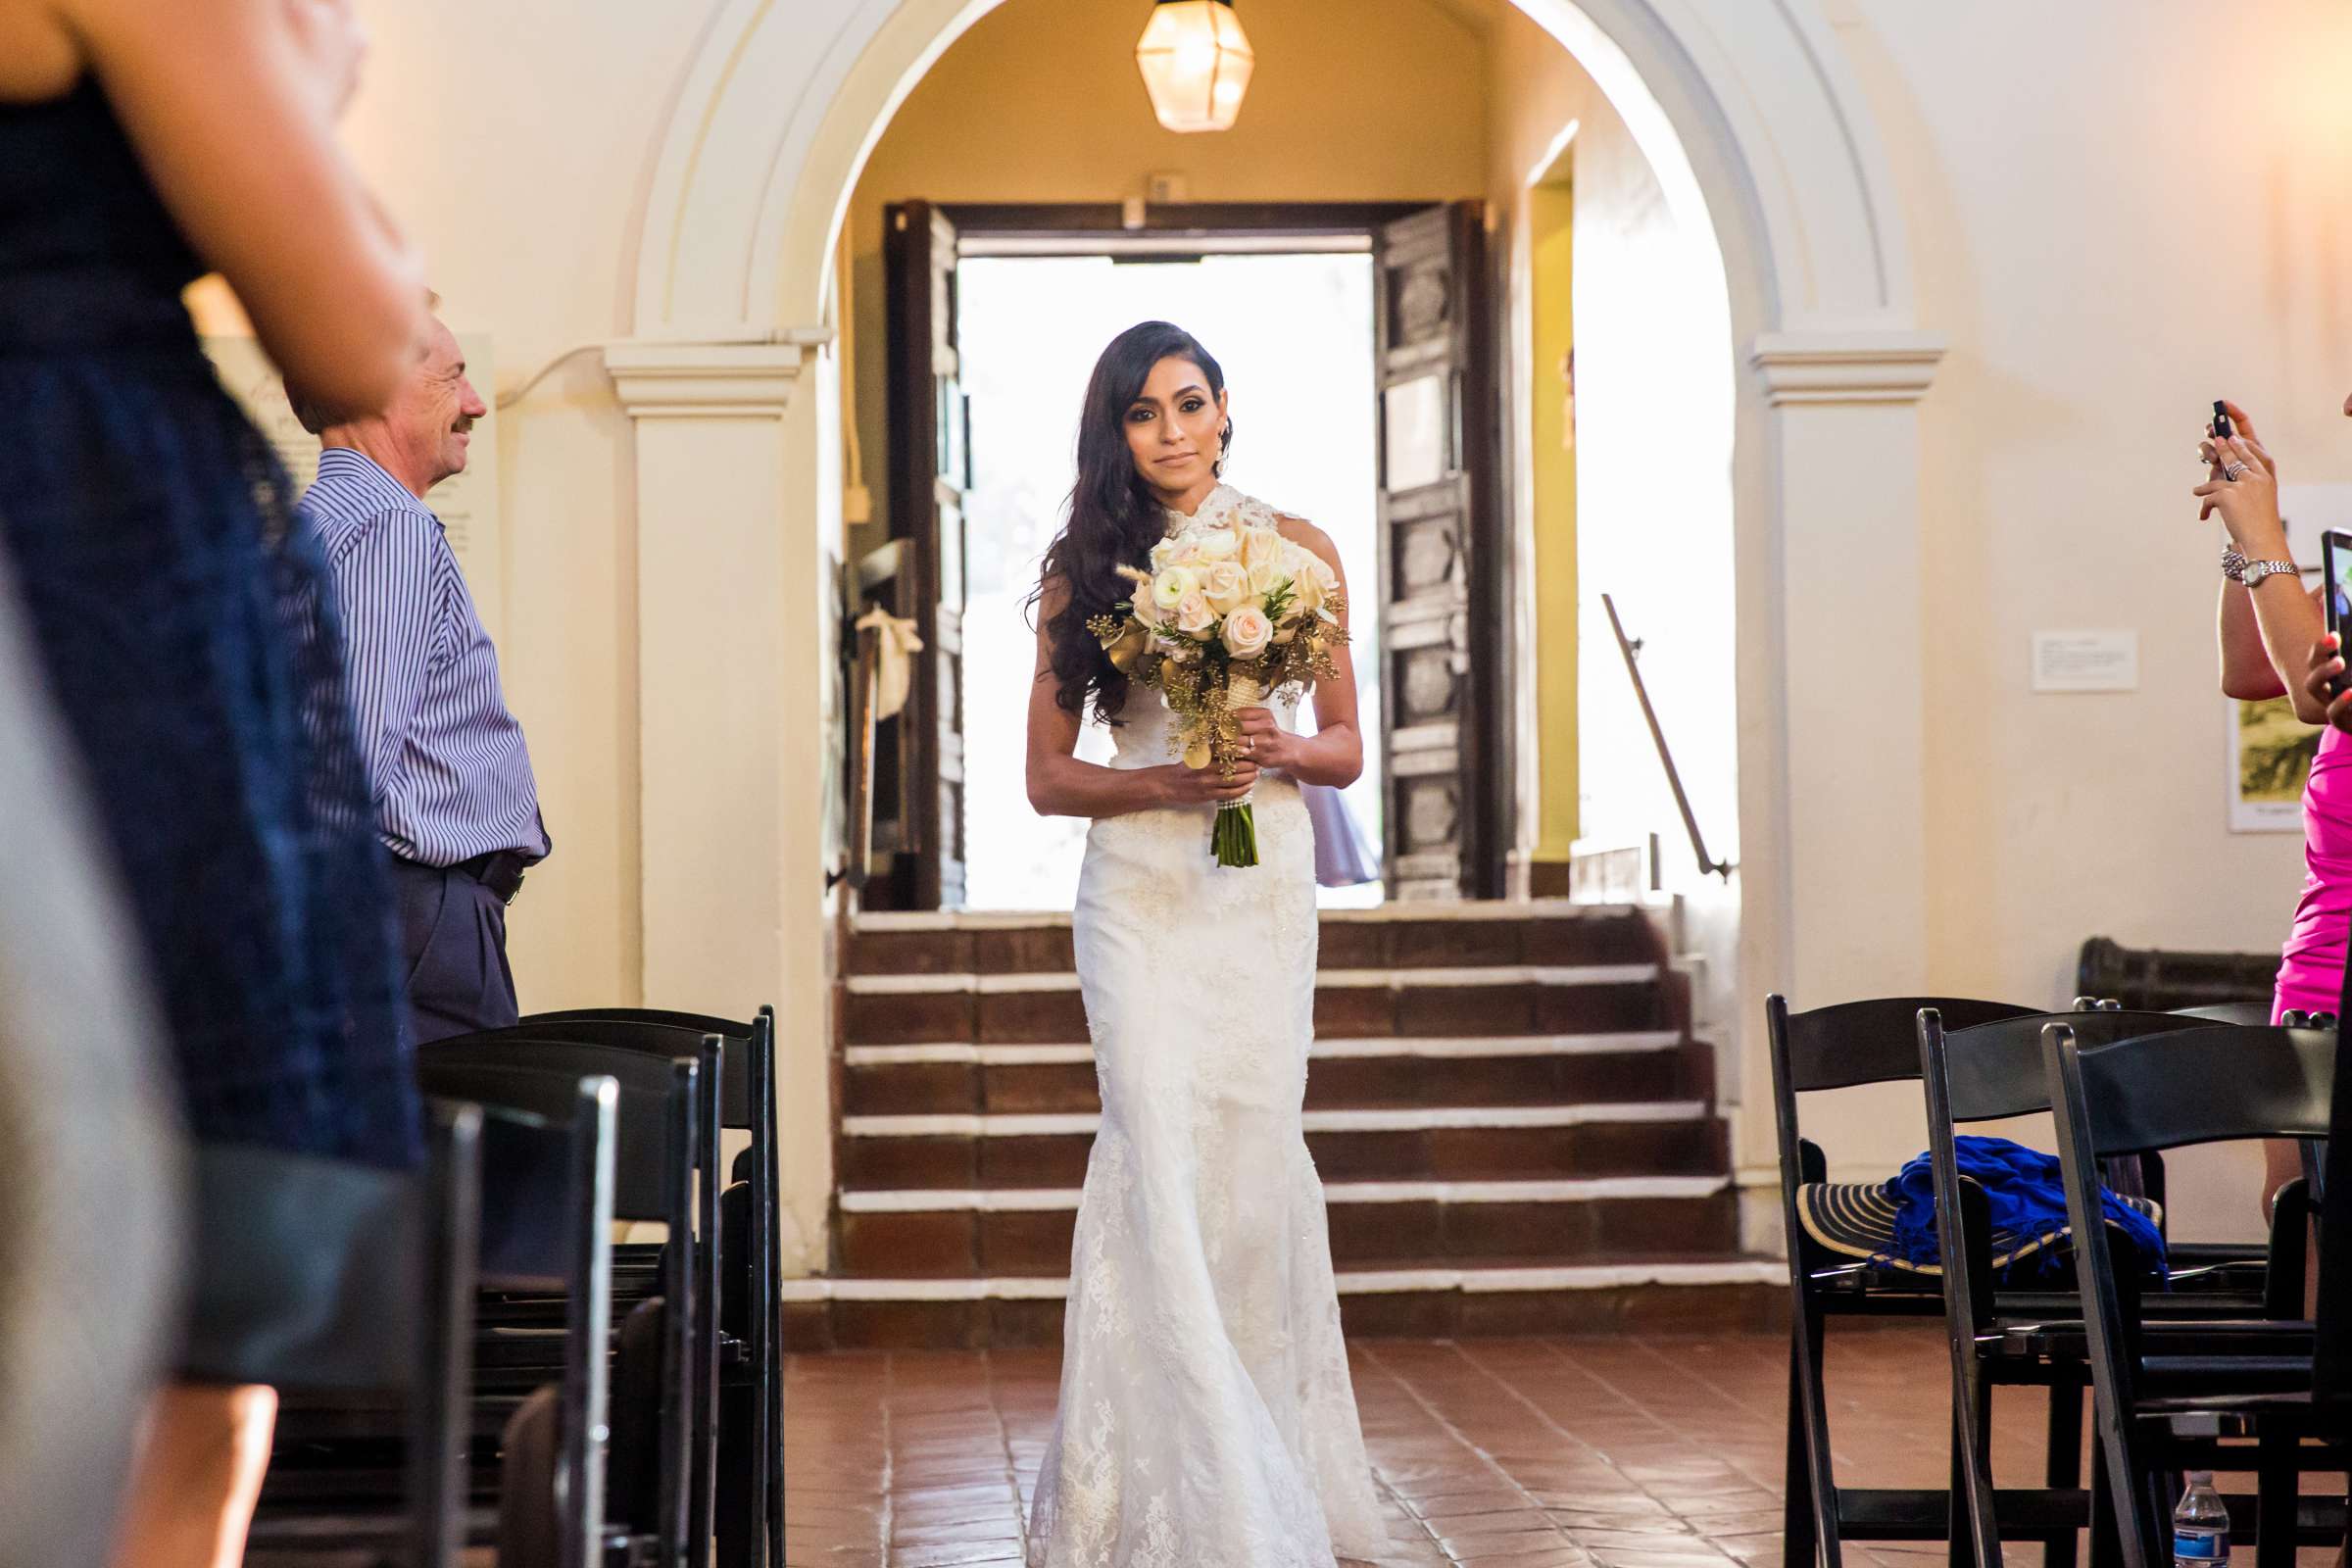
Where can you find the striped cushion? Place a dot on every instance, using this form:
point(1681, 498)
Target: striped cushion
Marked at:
point(1856, 1219)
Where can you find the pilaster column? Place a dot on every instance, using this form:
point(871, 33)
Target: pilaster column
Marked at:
point(730, 824)
point(1838, 908)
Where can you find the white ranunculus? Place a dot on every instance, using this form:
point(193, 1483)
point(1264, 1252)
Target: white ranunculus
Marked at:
point(1194, 617)
point(1171, 585)
point(1248, 631)
point(1225, 585)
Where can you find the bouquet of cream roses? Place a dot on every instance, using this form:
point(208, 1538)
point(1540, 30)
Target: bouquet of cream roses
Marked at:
point(1228, 616)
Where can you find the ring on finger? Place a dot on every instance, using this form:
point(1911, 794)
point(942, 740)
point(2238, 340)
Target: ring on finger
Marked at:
point(2231, 471)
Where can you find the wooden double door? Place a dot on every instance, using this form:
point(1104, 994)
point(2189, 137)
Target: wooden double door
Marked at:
point(1441, 589)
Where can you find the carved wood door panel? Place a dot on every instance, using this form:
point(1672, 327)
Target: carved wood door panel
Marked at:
point(1441, 599)
point(929, 472)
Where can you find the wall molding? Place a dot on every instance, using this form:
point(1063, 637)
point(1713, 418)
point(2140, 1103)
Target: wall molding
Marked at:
point(705, 378)
point(1845, 366)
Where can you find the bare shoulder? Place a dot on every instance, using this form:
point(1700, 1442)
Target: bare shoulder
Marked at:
point(1299, 531)
point(40, 57)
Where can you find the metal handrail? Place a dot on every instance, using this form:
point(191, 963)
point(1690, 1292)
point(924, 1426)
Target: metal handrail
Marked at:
point(1632, 651)
point(861, 761)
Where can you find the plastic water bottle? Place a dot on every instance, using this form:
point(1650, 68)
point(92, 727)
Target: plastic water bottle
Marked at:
point(2201, 1523)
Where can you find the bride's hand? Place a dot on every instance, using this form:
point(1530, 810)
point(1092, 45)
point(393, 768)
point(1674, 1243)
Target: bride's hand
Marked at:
point(1179, 785)
point(1266, 742)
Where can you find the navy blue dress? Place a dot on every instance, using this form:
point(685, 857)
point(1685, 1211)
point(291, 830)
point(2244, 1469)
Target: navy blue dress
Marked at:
point(181, 614)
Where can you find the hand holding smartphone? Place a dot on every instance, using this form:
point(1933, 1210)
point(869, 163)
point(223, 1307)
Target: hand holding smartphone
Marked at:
point(2336, 554)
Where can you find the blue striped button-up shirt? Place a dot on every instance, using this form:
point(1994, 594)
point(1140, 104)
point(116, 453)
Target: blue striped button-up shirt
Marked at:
point(446, 761)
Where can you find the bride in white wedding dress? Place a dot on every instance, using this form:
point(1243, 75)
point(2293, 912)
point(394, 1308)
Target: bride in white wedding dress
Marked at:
point(1207, 1416)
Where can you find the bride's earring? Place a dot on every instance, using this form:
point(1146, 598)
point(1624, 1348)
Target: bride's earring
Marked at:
point(1224, 445)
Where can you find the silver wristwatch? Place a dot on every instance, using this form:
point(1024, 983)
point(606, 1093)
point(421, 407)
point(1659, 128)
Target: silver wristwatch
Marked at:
point(2253, 572)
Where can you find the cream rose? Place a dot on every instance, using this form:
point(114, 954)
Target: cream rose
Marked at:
point(1316, 582)
point(1171, 585)
point(1225, 585)
point(1248, 631)
point(1264, 575)
point(1217, 544)
point(1265, 545)
point(1193, 616)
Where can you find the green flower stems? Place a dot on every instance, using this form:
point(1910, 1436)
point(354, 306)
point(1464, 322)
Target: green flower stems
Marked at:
point(1233, 841)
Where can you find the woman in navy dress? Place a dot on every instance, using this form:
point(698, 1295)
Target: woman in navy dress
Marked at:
point(175, 601)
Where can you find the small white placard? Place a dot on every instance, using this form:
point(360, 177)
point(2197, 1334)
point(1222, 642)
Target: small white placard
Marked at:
point(2087, 661)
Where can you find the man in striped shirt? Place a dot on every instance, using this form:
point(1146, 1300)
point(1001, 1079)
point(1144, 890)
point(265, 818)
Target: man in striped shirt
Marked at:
point(455, 799)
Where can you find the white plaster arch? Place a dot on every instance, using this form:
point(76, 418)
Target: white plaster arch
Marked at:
point(1745, 106)
point(1753, 123)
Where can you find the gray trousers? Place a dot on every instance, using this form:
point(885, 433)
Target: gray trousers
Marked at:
point(454, 973)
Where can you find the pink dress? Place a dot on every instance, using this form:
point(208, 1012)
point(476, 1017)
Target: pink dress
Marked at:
point(2311, 970)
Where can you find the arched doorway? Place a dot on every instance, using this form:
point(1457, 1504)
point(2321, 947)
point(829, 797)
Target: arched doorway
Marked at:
point(1750, 118)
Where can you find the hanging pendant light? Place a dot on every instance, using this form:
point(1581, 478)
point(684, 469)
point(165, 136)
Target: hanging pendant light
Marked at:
point(1195, 62)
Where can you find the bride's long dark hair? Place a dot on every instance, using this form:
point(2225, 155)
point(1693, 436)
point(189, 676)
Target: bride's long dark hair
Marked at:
point(1115, 517)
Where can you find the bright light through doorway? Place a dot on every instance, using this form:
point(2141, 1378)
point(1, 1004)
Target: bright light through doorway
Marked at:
point(1294, 336)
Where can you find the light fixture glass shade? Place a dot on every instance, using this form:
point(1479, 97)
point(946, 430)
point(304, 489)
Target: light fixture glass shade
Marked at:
point(1195, 62)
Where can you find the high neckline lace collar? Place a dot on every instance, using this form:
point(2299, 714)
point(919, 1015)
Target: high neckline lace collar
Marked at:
point(1218, 506)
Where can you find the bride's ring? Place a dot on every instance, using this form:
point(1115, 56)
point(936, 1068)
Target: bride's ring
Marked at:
point(1250, 746)
point(2231, 471)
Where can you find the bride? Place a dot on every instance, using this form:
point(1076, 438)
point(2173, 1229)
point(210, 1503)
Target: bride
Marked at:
point(1206, 1417)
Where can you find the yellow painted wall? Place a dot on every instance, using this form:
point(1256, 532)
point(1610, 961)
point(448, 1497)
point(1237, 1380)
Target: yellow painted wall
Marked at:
point(1352, 100)
point(1550, 211)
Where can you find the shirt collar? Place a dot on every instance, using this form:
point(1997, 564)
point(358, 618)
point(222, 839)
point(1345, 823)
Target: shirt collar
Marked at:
point(369, 478)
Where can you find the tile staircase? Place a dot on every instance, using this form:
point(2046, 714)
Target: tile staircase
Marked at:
point(1515, 1131)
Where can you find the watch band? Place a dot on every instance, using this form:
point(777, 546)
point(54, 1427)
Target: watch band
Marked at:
point(2233, 562)
point(2255, 572)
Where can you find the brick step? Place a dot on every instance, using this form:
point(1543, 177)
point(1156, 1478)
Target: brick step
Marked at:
point(940, 1233)
point(1440, 1144)
point(888, 1080)
point(1040, 1008)
point(1531, 933)
point(1409, 1299)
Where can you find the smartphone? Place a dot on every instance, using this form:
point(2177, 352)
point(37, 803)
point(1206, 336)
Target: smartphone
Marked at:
point(2336, 556)
point(2221, 419)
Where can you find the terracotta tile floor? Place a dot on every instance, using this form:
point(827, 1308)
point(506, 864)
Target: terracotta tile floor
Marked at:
point(1616, 1452)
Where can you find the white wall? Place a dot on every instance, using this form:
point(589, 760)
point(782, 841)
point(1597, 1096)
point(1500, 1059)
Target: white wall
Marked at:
point(2117, 210)
point(2139, 210)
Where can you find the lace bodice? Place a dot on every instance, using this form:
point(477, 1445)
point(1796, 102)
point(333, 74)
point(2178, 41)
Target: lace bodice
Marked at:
point(1225, 503)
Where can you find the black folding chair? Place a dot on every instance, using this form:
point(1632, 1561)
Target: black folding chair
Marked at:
point(345, 1288)
point(2214, 1083)
point(665, 1108)
point(547, 1160)
point(751, 1477)
point(1844, 1046)
point(2013, 1336)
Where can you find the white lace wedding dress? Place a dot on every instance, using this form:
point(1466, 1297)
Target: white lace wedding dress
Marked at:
point(1207, 1416)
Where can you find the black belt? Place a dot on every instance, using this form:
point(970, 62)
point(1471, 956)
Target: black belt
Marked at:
point(501, 872)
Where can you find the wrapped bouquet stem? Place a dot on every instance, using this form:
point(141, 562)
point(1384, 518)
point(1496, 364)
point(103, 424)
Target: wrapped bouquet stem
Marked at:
point(1233, 840)
point(1227, 618)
